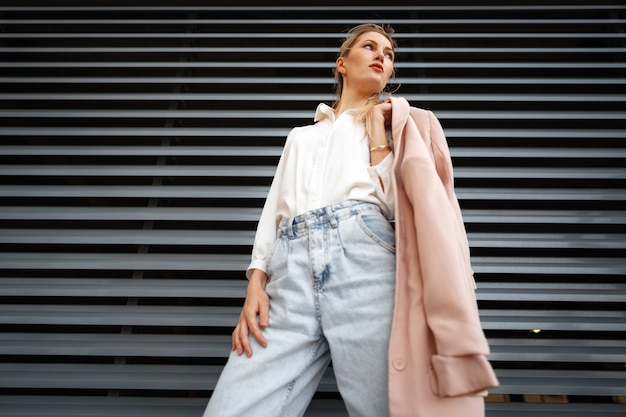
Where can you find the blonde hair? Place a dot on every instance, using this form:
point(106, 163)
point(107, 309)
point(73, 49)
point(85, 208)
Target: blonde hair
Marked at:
point(363, 113)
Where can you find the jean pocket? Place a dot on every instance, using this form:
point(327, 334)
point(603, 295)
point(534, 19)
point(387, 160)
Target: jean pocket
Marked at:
point(378, 229)
point(271, 259)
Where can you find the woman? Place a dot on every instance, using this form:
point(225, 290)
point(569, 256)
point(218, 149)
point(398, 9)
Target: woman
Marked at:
point(323, 257)
point(322, 281)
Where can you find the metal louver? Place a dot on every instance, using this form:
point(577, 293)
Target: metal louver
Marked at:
point(137, 144)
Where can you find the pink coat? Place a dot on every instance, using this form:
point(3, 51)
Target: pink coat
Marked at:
point(437, 352)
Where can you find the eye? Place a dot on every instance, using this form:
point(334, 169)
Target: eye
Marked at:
point(368, 46)
point(389, 55)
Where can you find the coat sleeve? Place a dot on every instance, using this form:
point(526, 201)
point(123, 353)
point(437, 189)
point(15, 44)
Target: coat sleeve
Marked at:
point(459, 365)
point(443, 165)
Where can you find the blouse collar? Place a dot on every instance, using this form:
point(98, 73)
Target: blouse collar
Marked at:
point(324, 111)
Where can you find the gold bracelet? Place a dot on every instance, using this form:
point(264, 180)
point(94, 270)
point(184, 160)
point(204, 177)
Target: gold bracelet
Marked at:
point(380, 148)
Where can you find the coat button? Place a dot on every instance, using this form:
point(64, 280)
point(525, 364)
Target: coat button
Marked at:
point(398, 364)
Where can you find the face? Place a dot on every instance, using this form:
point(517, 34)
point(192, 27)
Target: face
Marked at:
point(368, 65)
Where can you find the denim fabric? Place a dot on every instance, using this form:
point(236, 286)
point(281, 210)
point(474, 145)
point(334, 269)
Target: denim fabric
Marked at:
point(331, 288)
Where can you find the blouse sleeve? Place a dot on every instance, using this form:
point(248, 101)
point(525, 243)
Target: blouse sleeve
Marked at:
point(270, 218)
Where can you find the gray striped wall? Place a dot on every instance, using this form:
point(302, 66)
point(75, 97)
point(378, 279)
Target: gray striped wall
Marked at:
point(137, 144)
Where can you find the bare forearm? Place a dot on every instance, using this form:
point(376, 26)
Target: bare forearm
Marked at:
point(378, 141)
point(258, 278)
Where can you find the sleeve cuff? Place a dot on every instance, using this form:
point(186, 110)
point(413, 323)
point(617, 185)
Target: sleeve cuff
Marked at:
point(382, 172)
point(463, 375)
point(256, 264)
point(383, 166)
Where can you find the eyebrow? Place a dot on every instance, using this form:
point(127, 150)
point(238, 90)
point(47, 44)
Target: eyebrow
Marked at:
point(389, 48)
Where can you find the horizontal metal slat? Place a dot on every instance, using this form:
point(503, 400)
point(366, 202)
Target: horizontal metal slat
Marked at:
point(160, 170)
point(115, 344)
point(549, 265)
point(128, 237)
point(281, 133)
point(295, 114)
point(268, 171)
point(556, 350)
point(260, 192)
point(307, 65)
point(556, 320)
point(103, 406)
point(351, 8)
point(555, 292)
point(148, 131)
point(495, 216)
point(107, 406)
point(245, 237)
point(154, 377)
point(544, 194)
point(125, 261)
point(302, 35)
point(105, 315)
point(545, 240)
point(204, 377)
point(155, 237)
point(307, 80)
point(312, 22)
point(226, 214)
point(521, 409)
point(241, 151)
point(217, 288)
point(182, 114)
point(235, 192)
point(121, 315)
point(300, 50)
point(211, 262)
point(96, 150)
point(237, 214)
point(561, 382)
point(534, 98)
point(201, 346)
point(110, 376)
point(541, 153)
point(111, 287)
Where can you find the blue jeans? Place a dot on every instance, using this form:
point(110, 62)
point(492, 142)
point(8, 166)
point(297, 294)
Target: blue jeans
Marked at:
point(331, 289)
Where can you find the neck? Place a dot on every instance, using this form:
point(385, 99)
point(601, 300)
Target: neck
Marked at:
point(350, 100)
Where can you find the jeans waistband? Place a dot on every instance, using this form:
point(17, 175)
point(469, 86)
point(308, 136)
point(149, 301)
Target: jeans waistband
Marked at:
point(331, 215)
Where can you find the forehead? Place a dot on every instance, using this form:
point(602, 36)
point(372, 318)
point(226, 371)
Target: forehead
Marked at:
point(375, 36)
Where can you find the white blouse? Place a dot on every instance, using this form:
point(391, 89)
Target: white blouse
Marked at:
point(321, 164)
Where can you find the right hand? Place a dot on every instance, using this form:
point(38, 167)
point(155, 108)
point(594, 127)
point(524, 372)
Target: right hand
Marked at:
point(383, 111)
point(257, 304)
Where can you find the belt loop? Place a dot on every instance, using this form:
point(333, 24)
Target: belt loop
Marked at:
point(290, 226)
point(331, 216)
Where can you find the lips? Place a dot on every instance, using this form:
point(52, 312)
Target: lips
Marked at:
point(378, 67)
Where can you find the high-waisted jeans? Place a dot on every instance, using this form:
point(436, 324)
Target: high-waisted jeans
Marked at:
point(331, 289)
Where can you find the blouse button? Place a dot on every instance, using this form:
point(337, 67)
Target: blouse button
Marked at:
point(398, 364)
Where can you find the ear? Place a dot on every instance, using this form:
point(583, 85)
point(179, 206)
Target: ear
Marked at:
point(341, 68)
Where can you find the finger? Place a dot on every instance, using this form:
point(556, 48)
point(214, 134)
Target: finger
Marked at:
point(244, 339)
point(237, 342)
point(264, 313)
point(253, 328)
